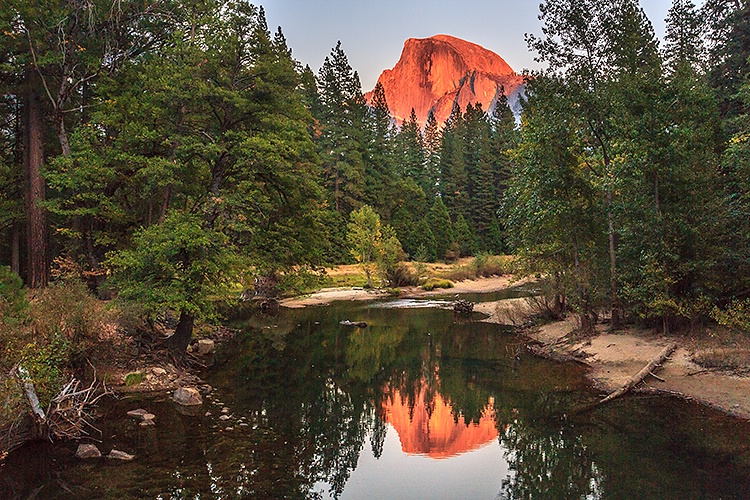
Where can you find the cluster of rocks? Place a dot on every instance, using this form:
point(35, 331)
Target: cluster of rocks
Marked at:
point(226, 418)
point(204, 347)
point(88, 450)
point(160, 378)
point(146, 419)
point(463, 307)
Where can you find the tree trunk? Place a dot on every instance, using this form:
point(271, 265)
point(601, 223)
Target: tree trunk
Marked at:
point(612, 263)
point(38, 272)
point(182, 334)
point(15, 249)
point(62, 134)
point(165, 198)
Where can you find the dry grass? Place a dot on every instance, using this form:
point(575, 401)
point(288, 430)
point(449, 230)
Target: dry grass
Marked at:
point(720, 348)
point(724, 358)
point(483, 266)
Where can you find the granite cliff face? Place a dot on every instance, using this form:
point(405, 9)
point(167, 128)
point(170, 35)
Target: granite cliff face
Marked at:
point(435, 72)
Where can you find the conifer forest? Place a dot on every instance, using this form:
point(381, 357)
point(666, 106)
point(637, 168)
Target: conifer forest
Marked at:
point(173, 152)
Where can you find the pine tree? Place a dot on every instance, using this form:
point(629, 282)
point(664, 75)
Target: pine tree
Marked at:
point(442, 228)
point(379, 173)
point(411, 155)
point(431, 142)
point(464, 235)
point(483, 201)
point(454, 182)
point(341, 142)
point(729, 48)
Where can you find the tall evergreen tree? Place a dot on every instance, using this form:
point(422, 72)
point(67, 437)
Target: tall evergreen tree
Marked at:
point(411, 154)
point(341, 142)
point(442, 228)
point(379, 176)
point(728, 23)
point(431, 139)
point(454, 180)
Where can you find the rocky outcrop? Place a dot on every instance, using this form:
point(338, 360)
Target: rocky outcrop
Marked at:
point(435, 72)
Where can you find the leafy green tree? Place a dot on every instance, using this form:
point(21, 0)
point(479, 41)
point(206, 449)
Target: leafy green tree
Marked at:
point(365, 233)
point(221, 141)
point(389, 256)
point(603, 51)
point(670, 133)
point(552, 207)
point(177, 265)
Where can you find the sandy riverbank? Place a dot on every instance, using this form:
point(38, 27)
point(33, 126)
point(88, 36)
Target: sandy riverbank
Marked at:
point(614, 357)
point(328, 295)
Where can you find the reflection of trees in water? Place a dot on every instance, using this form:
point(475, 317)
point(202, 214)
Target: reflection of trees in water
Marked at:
point(320, 393)
point(307, 420)
point(548, 462)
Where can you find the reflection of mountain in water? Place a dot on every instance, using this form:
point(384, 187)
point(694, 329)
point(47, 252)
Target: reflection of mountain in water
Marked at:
point(431, 428)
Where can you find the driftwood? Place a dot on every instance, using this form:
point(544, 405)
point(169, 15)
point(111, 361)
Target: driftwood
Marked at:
point(28, 387)
point(641, 375)
point(69, 414)
point(357, 324)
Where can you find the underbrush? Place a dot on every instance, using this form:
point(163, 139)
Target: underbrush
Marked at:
point(483, 266)
point(433, 283)
point(49, 332)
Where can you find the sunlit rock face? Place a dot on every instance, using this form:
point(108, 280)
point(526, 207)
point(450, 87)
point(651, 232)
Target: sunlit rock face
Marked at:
point(435, 72)
point(430, 428)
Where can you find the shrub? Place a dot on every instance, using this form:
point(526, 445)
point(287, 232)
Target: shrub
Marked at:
point(68, 310)
point(59, 326)
point(13, 303)
point(736, 315)
point(401, 275)
point(434, 283)
point(483, 266)
point(486, 265)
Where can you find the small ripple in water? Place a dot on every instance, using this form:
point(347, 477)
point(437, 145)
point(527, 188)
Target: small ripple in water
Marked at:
point(414, 304)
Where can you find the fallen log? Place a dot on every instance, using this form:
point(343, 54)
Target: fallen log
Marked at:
point(357, 324)
point(641, 375)
point(28, 386)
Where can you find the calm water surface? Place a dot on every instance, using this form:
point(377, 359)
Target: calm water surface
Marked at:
point(417, 405)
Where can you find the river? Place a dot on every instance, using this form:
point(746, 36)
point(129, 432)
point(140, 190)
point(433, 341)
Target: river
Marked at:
point(419, 404)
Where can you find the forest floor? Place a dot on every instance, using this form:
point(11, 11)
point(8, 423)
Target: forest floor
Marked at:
point(711, 365)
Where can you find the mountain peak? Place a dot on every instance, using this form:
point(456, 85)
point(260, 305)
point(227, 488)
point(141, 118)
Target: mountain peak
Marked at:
point(435, 72)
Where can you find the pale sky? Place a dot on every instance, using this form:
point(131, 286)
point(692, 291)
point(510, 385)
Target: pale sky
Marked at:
point(372, 33)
